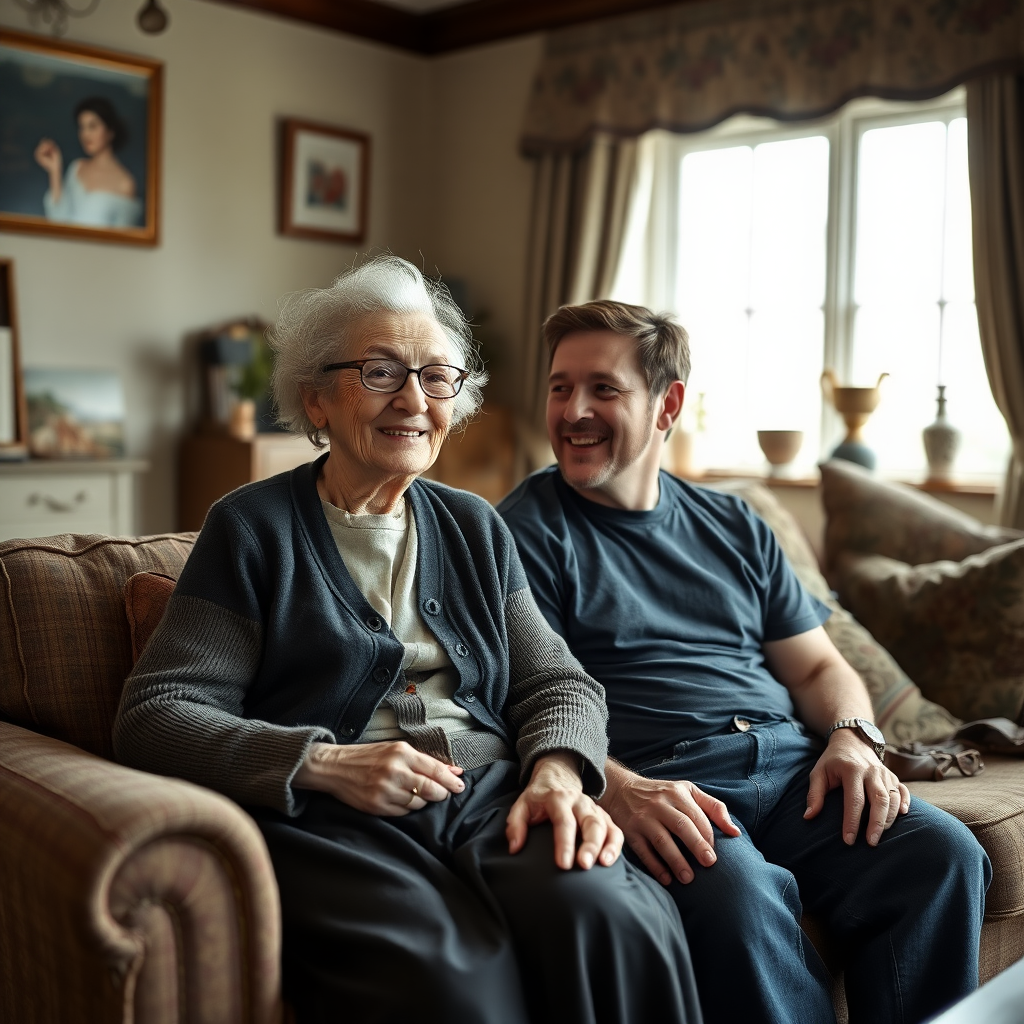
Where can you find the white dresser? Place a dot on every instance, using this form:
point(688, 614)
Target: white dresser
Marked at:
point(41, 497)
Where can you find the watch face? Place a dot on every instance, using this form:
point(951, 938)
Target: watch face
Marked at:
point(870, 730)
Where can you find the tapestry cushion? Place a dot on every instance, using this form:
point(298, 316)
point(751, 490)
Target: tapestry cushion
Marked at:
point(876, 517)
point(65, 641)
point(145, 598)
point(901, 711)
point(957, 628)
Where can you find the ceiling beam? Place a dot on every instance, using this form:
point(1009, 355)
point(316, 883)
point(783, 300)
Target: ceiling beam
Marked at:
point(447, 28)
point(382, 23)
point(487, 21)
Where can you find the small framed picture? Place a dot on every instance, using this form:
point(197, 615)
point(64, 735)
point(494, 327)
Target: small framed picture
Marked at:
point(80, 131)
point(325, 182)
point(75, 414)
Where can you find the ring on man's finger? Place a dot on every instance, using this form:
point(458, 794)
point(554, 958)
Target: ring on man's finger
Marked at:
point(412, 796)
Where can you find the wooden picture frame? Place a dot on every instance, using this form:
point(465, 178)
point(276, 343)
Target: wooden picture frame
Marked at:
point(101, 111)
point(325, 182)
point(13, 406)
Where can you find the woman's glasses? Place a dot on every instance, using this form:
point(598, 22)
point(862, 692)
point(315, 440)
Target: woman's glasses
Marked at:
point(438, 380)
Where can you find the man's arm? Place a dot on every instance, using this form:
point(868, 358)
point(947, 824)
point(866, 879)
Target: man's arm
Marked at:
point(826, 689)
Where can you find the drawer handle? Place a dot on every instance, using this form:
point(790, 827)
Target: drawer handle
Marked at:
point(53, 505)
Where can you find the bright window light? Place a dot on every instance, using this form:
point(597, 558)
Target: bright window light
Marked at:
point(845, 244)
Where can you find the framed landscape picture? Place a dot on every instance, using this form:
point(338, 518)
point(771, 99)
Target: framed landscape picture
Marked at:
point(79, 141)
point(325, 182)
point(75, 414)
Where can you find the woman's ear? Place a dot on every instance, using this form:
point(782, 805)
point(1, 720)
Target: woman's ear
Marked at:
point(313, 406)
point(671, 405)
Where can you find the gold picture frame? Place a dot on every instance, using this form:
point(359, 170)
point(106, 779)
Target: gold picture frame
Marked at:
point(59, 100)
point(13, 406)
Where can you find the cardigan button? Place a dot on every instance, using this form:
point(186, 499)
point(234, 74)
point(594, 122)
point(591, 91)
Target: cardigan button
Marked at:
point(381, 675)
point(375, 622)
point(461, 650)
point(432, 606)
point(347, 730)
point(469, 696)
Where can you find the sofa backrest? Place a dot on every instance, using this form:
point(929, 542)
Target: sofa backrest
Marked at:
point(65, 642)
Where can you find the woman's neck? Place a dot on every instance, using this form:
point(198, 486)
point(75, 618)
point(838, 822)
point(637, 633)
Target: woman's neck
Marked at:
point(360, 497)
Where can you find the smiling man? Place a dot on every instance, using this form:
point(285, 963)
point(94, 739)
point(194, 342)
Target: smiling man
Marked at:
point(745, 770)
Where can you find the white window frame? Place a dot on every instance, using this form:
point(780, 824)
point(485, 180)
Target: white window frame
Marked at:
point(655, 203)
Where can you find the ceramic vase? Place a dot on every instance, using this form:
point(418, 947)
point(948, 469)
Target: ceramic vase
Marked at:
point(941, 442)
point(855, 405)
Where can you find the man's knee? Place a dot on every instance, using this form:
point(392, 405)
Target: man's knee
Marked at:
point(739, 894)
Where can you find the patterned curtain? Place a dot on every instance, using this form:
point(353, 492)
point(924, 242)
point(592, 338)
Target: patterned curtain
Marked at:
point(685, 68)
point(995, 140)
point(577, 224)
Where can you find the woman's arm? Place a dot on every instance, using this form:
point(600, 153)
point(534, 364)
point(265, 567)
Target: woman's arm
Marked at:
point(181, 712)
point(553, 705)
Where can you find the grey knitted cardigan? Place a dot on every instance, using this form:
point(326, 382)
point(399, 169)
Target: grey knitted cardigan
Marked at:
point(268, 646)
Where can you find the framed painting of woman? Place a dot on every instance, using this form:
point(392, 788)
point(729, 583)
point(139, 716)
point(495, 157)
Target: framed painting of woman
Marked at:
point(80, 128)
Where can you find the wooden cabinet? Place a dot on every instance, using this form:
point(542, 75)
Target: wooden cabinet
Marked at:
point(211, 465)
point(41, 497)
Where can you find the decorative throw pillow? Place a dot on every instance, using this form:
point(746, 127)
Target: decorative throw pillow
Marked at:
point(145, 597)
point(875, 517)
point(901, 710)
point(957, 628)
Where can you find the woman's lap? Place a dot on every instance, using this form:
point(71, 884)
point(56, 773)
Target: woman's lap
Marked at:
point(428, 917)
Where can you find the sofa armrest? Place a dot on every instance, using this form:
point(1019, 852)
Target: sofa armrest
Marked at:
point(127, 896)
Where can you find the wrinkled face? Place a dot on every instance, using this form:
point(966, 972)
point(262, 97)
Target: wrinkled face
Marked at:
point(93, 135)
point(379, 437)
point(599, 416)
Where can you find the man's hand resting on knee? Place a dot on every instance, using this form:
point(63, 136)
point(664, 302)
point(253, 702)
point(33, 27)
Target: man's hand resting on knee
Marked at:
point(849, 762)
point(653, 814)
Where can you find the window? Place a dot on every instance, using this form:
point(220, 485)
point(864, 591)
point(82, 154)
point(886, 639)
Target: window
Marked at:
point(844, 244)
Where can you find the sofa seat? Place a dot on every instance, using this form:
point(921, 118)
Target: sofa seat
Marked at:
point(991, 805)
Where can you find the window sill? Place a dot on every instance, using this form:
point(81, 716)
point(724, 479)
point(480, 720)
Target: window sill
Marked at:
point(808, 482)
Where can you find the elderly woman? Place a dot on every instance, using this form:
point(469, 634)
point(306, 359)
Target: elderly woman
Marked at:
point(353, 654)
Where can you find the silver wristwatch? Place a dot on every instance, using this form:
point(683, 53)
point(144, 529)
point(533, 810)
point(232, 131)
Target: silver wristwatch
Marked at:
point(869, 732)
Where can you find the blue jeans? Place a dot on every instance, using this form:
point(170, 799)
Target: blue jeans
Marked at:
point(906, 915)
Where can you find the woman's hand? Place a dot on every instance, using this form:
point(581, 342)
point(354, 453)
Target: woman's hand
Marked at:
point(48, 156)
point(387, 779)
point(555, 794)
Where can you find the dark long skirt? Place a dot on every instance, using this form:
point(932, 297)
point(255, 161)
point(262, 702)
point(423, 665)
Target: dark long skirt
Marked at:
point(427, 918)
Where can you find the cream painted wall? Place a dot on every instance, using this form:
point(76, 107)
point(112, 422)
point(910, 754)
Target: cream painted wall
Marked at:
point(229, 75)
point(480, 188)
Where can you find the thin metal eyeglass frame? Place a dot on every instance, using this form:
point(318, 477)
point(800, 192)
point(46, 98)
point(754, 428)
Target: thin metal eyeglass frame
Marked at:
point(358, 364)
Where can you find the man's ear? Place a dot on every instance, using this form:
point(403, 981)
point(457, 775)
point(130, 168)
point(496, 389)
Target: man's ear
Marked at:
point(671, 405)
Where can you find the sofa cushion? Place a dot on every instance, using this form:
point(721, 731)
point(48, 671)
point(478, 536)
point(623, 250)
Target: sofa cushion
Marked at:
point(901, 711)
point(65, 642)
point(875, 517)
point(957, 628)
point(991, 805)
point(145, 600)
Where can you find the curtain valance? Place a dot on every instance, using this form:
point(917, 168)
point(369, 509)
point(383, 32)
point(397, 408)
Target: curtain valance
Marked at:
point(689, 66)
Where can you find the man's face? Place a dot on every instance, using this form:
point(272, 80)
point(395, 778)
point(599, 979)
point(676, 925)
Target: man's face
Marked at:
point(601, 422)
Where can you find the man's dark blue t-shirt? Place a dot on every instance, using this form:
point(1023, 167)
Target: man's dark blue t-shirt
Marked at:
point(668, 609)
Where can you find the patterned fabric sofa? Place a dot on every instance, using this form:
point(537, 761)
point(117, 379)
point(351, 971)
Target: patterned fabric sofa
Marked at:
point(128, 897)
point(123, 896)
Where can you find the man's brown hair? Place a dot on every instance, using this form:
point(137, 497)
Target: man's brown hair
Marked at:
point(661, 341)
